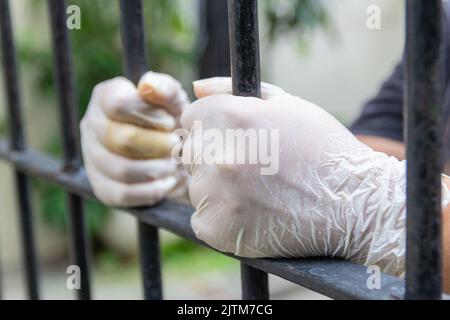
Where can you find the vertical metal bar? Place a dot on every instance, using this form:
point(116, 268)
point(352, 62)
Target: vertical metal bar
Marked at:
point(255, 283)
point(17, 140)
point(214, 47)
point(69, 129)
point(135, 62)
point(133, 39)
point(423, 136)
point(244, 47)
point(246, 79)
point(150, 261)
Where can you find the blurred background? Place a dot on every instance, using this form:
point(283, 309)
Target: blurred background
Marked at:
point(319, 50)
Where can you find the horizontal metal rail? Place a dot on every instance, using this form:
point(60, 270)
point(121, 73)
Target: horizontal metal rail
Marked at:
point(335, 278)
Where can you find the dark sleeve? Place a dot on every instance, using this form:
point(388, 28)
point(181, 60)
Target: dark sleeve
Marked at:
point(382, 116)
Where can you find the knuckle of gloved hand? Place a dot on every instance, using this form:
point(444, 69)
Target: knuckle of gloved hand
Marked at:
point(120, 104)
point(103, 195)
point(104, 87)
point(120, 80)
point(123, 197)
point(228, 170)
point(86, 129)
point(167, 77)
point(177, 84)
point(236, 117)
point(123, 172)
point(216, 232)
point(83, 124)
point(118, 195)
point(97, 90)
point(206, 231)
point(158, 194)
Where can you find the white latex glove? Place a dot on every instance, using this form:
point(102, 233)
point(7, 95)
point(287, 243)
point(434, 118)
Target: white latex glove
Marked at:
point(126, 139)
point(332, 196)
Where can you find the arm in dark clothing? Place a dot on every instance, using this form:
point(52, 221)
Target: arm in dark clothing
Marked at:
point(382, 116)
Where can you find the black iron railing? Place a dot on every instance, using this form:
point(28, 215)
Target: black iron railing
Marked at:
point(423, 134)
point(332, 277)
point(63, 75)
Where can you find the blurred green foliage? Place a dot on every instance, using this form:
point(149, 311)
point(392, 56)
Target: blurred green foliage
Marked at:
point(179, 251)
point(97, 51)
point(97, 56)
point(300, 16)
point(175, 253)
point(2, 127)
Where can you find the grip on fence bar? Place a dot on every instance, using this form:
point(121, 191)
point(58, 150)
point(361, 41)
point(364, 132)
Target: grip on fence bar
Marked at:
point(246, 80)
point(17, 143)
point(69, 128)
point(135, 62)
point(423, 136)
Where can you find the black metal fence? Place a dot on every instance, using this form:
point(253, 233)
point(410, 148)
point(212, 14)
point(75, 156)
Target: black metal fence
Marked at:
point(332, 277)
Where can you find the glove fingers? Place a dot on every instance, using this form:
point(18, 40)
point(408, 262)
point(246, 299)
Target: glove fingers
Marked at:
point(124, 169)
point(116, 193)
point(120, 101)
point(221, 111)
point(135, 142)
point(164, 91)
point(194, 159)
point(222, 85)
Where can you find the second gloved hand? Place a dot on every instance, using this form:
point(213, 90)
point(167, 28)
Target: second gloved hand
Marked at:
point(126, 137)
point(331, 195)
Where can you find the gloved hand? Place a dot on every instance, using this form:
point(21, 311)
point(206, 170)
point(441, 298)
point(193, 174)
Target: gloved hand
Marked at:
point(126, 139)
point(331, 196)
